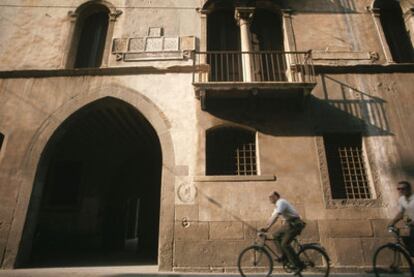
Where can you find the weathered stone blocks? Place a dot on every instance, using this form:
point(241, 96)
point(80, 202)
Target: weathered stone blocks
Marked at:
point(207, 253)
point(345, 228)
point(226, 230)
point(194, 231)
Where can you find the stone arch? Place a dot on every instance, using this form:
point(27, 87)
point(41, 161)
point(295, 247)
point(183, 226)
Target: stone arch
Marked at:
point(33, 154)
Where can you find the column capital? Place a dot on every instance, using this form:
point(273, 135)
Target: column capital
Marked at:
point(114, 15)
point(245, 13)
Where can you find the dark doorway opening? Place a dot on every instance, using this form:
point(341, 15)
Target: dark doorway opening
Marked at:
point(96, 196)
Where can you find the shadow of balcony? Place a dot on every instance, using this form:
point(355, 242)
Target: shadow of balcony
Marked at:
point(342, 108)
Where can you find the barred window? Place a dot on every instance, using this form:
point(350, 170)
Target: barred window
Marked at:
point(346, 166)
point(230, 151)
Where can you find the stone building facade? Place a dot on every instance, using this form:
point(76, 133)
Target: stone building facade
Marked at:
point(152, 131)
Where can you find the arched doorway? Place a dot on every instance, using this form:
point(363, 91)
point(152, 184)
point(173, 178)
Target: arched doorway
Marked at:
point(96, 198)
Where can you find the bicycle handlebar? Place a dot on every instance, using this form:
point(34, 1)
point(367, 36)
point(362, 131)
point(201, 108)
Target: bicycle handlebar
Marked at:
point(394, 230)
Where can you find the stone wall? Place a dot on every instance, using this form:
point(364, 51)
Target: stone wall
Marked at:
point(205, 220)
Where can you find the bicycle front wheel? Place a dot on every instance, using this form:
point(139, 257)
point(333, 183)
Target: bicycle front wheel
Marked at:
point(391, 259)
point(255, 261)
point(315, 260)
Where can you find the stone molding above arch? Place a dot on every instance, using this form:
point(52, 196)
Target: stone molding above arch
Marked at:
point(112, 10)
point(46, 130)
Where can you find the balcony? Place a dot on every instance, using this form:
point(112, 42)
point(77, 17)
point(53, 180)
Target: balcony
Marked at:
point(235, 74)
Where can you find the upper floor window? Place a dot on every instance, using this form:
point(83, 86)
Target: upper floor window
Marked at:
point(90, 36)
point(395, 31)
point(230, 151)
point(346, 166)
point(244, 43)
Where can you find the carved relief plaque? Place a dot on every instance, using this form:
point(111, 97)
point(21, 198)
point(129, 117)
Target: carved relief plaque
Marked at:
point(171, 44)
point(136, 45)
point(153, 44)
point(119, 45)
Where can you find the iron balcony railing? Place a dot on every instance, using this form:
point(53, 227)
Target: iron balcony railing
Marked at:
point(255, 66)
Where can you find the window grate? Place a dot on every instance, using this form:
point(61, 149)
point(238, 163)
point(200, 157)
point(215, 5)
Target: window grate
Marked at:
point(246, 159)
point(346, 166)
point(230, 151)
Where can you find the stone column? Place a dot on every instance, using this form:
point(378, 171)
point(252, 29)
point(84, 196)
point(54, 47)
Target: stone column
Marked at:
point(289, 44)
point(375, 12)
point(244, 15)
point(409, 21)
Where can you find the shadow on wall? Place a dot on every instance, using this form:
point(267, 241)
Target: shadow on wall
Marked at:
point(342, 108)
point(350, 108)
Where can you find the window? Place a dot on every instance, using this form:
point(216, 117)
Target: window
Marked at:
point(230, 151)
point(259, 57)
point(346, 166)
point(92, 27)
point(395, 31)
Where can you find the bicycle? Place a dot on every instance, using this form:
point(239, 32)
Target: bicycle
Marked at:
point(258, 258)
point(393, 257)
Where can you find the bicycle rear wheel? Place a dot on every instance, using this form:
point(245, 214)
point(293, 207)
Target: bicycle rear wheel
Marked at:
point(315, 260)
point(255, 261)
point(390, 259)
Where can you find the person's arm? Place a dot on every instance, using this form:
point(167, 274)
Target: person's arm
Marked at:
point(271, 221)
point(397, 217)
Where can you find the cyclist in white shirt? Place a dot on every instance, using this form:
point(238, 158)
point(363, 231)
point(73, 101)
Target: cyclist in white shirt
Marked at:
point(292, 227)
point(406, 207)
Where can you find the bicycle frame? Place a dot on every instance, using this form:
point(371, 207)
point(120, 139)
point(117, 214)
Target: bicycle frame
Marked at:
point(398, 241)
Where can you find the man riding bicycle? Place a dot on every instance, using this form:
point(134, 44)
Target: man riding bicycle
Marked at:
point(406, 207)
point(292, 227)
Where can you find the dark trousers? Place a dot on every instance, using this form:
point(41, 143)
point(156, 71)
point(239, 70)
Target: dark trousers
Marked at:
point(284, 236)
point(409, 241)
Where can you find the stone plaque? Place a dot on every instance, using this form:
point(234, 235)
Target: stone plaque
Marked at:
point(155, 32)
point(136, 45)
point(119, 45)
point(171, 44)
point(154, 44)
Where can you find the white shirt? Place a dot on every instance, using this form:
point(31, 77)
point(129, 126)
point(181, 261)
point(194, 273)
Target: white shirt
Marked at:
point(407, 206)
point(286, 209)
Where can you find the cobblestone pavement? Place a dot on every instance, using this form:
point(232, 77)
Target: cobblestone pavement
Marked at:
point(123, 271)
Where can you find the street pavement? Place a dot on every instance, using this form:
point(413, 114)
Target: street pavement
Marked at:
point(127, 271)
